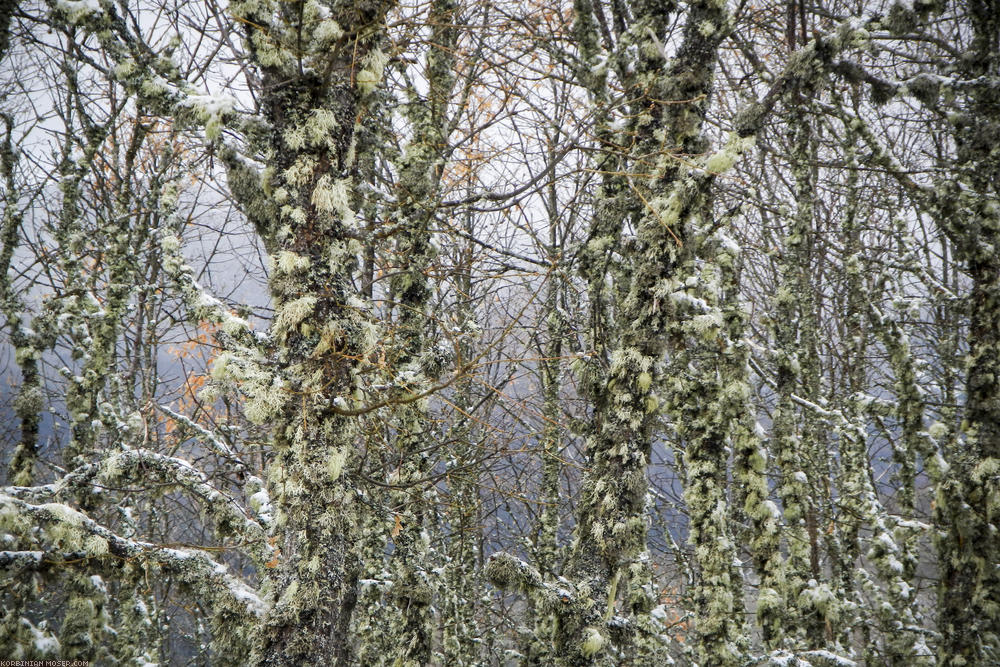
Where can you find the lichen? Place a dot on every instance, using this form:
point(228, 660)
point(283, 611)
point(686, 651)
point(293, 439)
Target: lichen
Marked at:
point(333, 196)
point(289, 262)
point(372, 70)
point(593, 643)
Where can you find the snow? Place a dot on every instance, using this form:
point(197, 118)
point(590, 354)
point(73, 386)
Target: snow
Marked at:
point(77, 9)
point(831, 658)
point(45, 643)
point(11, 555)
point(211, 105)
point(63, 512)
point(887, 542)
point(247, 596)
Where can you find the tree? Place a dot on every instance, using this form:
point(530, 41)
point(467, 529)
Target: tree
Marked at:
point(550, 333)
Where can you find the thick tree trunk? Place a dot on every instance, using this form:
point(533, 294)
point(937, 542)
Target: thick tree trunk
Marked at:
point(317, 73)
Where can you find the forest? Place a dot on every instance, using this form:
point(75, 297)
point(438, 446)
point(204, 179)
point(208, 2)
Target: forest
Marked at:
point(535, 332)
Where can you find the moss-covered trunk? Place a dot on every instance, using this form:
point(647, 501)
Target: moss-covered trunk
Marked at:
point(967, 502)
point(318, 68)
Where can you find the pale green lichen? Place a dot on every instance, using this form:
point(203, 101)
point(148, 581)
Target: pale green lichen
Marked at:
point(219, 366)
point(333, 196)
point(707, 323)
point(722, 160)
point(335, 463)
point(125, 68)
point(321, 127)
point(295, 214)
point(668, 209)
point(372, 69)
point(289, 262)
point(301, 171)
point(95, 546)
point(76, 11)
point(593, 642)
point(328, 31)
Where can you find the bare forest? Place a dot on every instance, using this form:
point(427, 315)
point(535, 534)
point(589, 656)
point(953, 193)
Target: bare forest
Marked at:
point(478, 332)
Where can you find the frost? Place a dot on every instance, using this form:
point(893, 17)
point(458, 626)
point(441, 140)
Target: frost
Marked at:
point(913, 524)
point(887, 542)
point(893, 563)
point(830, 658)
point(207, 106)
point(45, 643)
point(261, 503)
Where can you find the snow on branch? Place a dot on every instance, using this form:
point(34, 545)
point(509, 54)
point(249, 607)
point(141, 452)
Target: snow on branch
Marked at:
point(203, 306)
point(206, 437)
point(139, 464)
point(508, 572)
point(818, 56)
point(66, 528)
